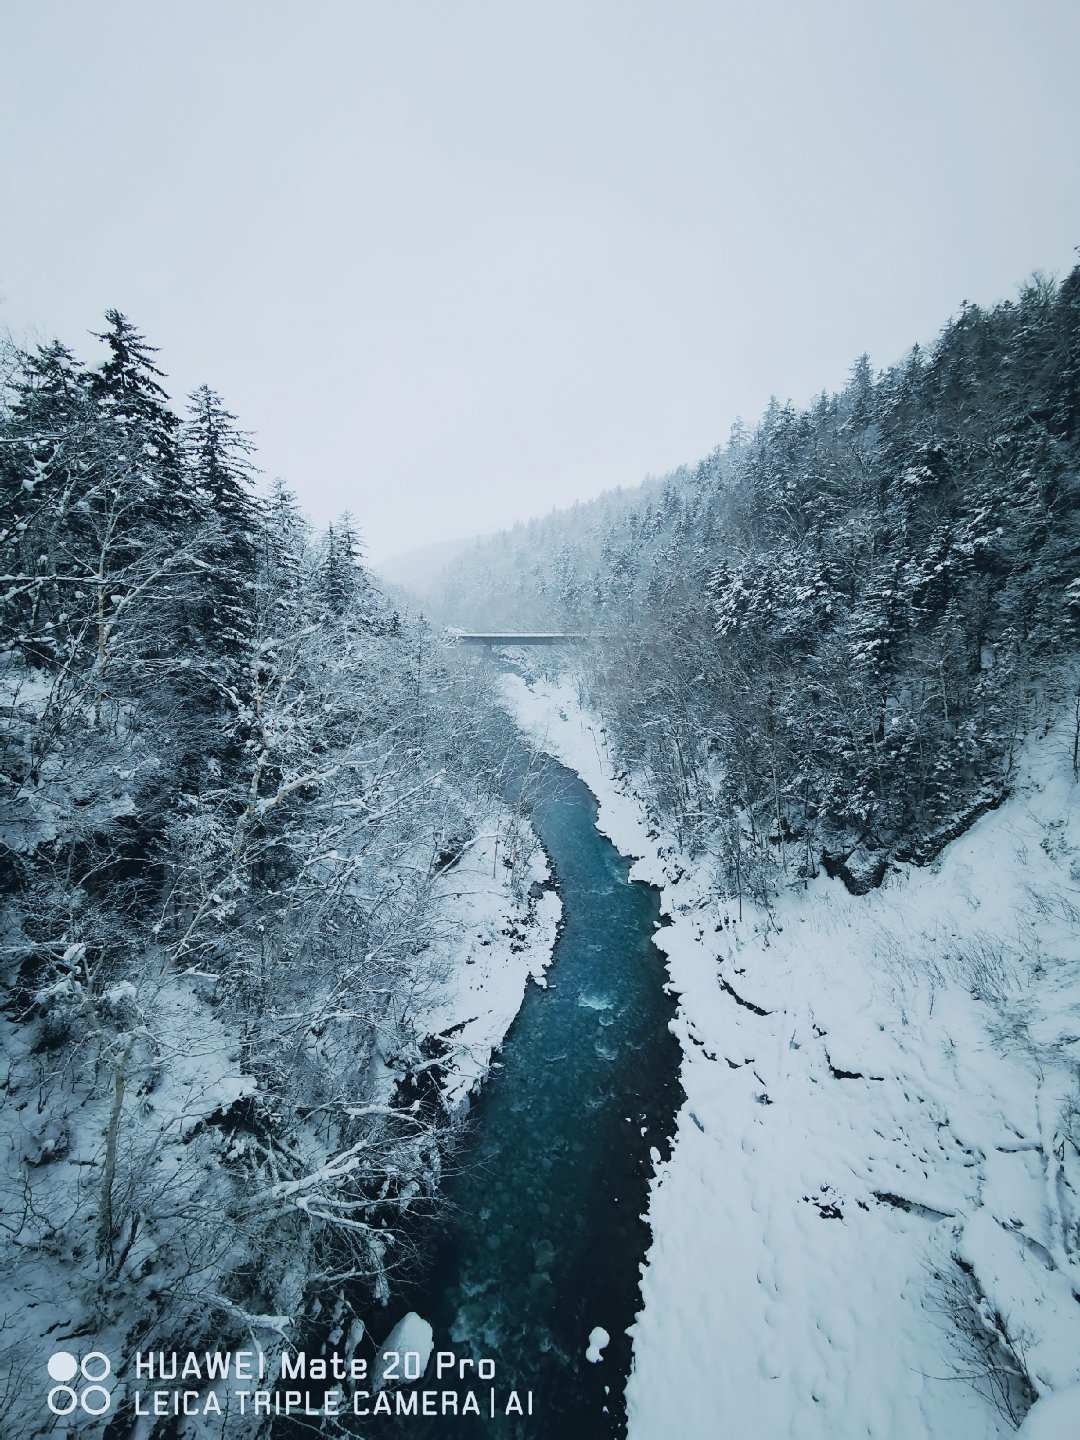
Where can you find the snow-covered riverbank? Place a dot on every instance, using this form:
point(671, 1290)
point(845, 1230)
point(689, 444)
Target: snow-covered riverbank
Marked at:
point(494, 942)
point(495, 929)
point(875, 1171)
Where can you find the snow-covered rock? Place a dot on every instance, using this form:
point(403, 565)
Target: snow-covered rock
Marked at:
point(411, 1335)
point(599, 1339)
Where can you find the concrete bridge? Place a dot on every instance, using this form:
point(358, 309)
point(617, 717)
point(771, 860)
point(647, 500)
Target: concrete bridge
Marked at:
point(492, 638)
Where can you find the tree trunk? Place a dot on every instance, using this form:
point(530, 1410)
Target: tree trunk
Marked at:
point(106, 1229)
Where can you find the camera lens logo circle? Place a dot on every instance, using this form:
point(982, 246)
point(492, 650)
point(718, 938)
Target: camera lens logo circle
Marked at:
point(93, 1398)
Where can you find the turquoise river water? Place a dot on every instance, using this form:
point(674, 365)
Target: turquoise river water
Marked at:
point(544, 1235)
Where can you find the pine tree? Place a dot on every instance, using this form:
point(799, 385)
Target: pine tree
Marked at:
point(148, 495)
point(219, 472)
point(126, 389)
point(284, 535)
point(344, 587)
point(49, 392)
point(45, 486)
point(1066, 386)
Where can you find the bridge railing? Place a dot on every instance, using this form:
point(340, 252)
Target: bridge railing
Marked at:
point(520, 637)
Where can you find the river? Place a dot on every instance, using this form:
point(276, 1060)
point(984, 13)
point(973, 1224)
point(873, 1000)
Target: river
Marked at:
point(544, 1234)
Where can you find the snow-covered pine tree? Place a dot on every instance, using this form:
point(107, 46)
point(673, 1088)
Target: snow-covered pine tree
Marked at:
point(285, 536)
point(216, 456)
point(129, 397)
point(148, 509)
point(126, 388)
point(344, 587)
point(45, 488)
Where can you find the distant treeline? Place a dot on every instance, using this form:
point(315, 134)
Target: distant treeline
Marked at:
point(836, 626)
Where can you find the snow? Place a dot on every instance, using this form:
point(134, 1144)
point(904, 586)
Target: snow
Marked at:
point(182, 1091)
point(494, 945)
point(598, 1340)
point(901, 1109)
point(1057, 1417)
point(1018, 1275)
point(412, 1334)
point(180, 1051)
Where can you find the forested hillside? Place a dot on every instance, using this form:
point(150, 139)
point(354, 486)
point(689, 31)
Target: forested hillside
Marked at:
point(251, 811)
point(232, 779)
point(846, 646)
point(829, 636)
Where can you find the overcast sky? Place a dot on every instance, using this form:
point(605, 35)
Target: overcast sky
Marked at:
point(456, 263)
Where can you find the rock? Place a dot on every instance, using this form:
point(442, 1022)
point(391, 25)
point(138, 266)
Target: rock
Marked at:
point(47, 1141)
point(861, 869)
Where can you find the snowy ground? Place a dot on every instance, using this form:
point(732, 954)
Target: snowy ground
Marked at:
point(494, 946)
point(495, 936)
point(877, 1089)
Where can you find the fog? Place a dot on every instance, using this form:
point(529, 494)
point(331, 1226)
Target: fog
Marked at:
point(457, 264)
